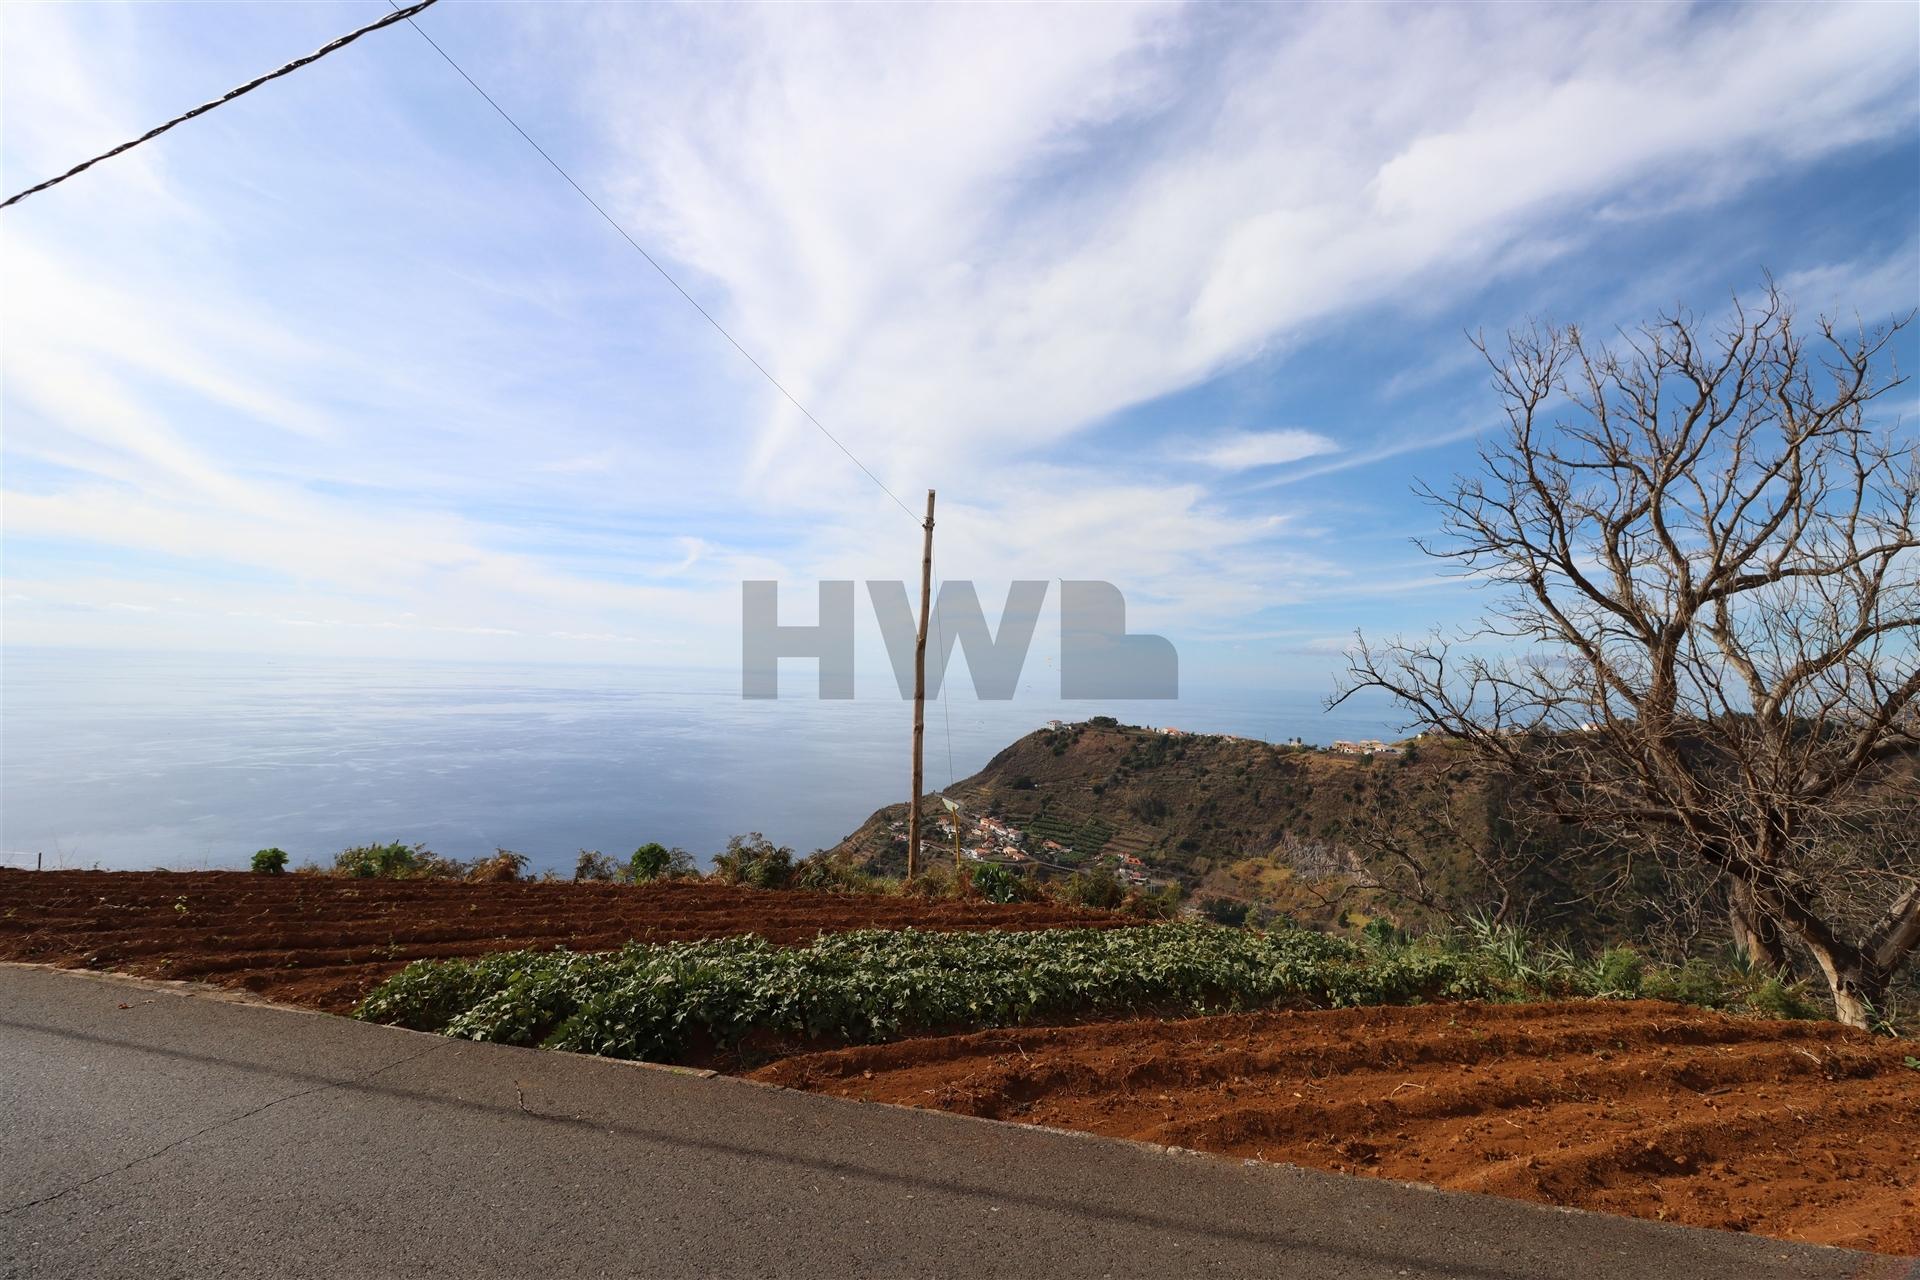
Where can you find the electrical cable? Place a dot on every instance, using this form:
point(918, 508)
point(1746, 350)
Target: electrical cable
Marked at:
point(398, 15)
point(664, 273)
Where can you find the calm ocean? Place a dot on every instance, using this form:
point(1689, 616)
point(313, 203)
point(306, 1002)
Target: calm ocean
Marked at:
point(189, 761)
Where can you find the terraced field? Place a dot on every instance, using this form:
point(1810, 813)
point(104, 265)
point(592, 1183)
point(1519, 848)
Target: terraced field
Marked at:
point(1803, 1130)
point(325, 942)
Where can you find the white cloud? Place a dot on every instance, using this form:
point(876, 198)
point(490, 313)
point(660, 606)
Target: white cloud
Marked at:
point(1872, 288)
point(962, 239)
point(1248, 449)
point(963, 235)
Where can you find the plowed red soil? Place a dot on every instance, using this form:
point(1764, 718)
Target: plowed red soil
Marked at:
point(325, 942)
point(1806, 1131)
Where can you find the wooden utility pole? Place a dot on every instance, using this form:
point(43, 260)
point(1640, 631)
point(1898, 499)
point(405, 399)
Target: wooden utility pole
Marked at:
point(920, 689)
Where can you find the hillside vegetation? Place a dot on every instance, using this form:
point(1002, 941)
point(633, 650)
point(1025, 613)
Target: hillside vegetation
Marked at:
point(1323, 837)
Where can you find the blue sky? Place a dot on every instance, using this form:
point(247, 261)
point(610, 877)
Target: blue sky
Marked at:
point(1173, 297)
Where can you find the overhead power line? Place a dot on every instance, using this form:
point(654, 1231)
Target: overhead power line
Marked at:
point(398, 15)
point(719, 328)
point(664, 273)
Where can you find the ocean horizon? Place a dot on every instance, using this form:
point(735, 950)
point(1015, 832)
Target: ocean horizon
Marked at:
point(189, 761)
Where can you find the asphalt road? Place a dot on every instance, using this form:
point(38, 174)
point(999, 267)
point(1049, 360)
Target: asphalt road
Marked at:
point(154, 1131)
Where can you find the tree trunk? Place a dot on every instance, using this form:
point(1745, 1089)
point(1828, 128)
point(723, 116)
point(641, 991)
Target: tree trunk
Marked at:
point(1858, 987)
point(1859, 976)
point(1857, 982)
point(1756, 933)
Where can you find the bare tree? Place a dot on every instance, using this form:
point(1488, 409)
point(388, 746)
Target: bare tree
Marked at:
point(1706, 644)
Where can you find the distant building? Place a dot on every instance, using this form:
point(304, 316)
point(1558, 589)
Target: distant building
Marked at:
point(1366, 747)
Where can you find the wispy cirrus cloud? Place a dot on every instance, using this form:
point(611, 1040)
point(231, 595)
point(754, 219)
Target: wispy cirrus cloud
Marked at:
point(1245, 450)
point(1061, 264)
point(956, 263)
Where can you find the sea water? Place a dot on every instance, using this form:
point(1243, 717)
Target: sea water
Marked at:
point(187, 761)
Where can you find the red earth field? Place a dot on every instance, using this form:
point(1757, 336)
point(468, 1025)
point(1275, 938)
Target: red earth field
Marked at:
point(1803, 1130)
point(325, 941)
point(1806, 1131)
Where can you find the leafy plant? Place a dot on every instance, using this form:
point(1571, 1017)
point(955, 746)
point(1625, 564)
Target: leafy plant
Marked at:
point(270, 862)
point(755, 861)
point(1382, 934)
point(1162, 903)
point(1776, 999)
point(1223, 910)
point(654, 861)
point(1708, 985)
point(937, 881)
point(823, 872)
point(1092, 889)
point(1512, 951)
point(594, 865)
point(997, 883)
point(1616, 973)
point(369, 861)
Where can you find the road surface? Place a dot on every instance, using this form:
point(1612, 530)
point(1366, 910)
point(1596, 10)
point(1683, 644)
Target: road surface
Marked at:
point(157, 1131)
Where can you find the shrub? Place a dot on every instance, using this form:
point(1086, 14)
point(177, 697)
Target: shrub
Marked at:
point(1617, 973)
point(823, 872)
point(270, 862)
point(1221, 910)
point(1510, 950)
point(1092, 889)
point(1383, 935)
point(504, 866)
point(936, 881)
point(755, 861)
point(1776, 999)
point(385, 861)
point(428, 865)
point(654, 861)
point(1154, 904)
point(1695, 982)
point(996, 883)
point(1150, 809)
point(595, 865)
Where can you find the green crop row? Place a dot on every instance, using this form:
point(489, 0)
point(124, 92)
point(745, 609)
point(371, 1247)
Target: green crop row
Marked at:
point(659, 1001)
point(662, 1002)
